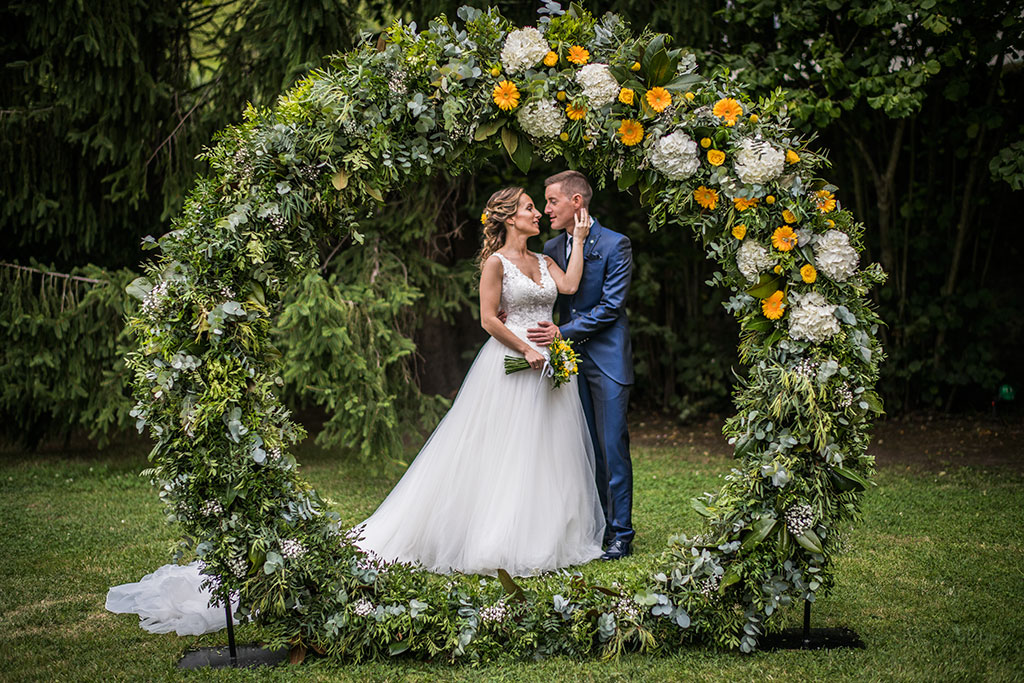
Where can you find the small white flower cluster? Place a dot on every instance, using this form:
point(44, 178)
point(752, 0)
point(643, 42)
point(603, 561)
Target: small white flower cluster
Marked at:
point(308, 172)
point(211, 508)
point(238, 566)
point(398, 82)
point(276, 220)
point(154, 302)
point(292, 548)
point(523, 48)
point(496, 613)
point(757, 162)
point(709, 586)
point(599, 86)
point(363, 608)
point(227, 292)
point(811, 317)
point(626, 608)
point(799, 519)
point(835, 257)
point(541, 118)
point(275, 453)
point(243, 162)
point(844, 397)
point(807, 368)
point(751, 259)
point(675, 156)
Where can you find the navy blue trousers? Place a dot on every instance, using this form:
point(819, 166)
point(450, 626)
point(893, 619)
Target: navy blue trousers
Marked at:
point(604, 404)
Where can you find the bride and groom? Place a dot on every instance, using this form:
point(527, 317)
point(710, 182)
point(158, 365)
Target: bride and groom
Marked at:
point(519, 476)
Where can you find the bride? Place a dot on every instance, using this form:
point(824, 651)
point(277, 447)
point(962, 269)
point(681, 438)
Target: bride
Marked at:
point(506, 481)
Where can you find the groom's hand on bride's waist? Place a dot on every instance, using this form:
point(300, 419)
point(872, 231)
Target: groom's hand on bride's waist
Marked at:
point(545, 333)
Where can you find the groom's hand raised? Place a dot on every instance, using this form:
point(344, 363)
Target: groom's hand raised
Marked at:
point(545, 333)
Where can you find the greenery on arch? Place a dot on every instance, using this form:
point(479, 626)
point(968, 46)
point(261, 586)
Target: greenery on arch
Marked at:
point(703, 157)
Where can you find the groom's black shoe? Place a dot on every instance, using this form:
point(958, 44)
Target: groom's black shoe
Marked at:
point(617, 549)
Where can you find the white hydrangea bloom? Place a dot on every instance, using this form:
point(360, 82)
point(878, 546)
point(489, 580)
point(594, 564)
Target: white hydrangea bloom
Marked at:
point(757, 162)
point(675, 156)
point(541, 118)
point(599, 86)
point(523, 48)
point(811, 317)
point(751, 259)
point(835, 257)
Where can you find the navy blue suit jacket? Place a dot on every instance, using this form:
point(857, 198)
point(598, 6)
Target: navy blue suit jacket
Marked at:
point(594, 318)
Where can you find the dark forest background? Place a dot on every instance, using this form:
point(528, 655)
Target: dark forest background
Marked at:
point(106, 105)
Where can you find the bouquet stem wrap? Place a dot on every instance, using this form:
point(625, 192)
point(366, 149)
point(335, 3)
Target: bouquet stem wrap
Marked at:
point(562, 363)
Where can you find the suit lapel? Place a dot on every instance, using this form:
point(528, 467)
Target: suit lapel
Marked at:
point(560, 250)
point(592, 240)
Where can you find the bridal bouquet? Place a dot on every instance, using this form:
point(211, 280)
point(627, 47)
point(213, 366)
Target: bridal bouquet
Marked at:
point(560, 366)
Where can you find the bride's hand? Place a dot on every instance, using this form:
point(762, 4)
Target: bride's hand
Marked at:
point(581, 228)
point(535, 358)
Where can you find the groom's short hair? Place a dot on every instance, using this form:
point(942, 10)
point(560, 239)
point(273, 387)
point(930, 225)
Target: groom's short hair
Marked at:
point(573, 182)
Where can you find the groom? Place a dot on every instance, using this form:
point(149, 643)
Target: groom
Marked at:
point(594, 318)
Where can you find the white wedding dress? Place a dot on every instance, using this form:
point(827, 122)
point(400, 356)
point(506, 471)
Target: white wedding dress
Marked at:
point(506, 481)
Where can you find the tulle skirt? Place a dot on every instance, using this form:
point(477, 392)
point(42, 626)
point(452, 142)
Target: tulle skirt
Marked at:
point(506, 481)
point(170, 599)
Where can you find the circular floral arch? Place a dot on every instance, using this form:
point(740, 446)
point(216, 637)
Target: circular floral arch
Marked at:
point(702, 155)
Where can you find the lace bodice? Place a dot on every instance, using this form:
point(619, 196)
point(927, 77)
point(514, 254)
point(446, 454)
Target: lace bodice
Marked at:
point(524, 301)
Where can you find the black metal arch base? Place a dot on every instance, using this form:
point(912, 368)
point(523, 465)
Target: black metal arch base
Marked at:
point(245, 657)
point(808, 638)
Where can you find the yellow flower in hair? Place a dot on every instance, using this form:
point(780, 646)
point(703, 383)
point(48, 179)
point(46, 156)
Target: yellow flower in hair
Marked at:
point(483, 218)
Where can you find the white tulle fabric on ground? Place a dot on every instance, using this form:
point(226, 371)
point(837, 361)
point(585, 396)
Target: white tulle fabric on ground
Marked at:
point(506, 481)
point(170, 599)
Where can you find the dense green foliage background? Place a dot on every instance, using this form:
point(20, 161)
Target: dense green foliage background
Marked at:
point(107, 104)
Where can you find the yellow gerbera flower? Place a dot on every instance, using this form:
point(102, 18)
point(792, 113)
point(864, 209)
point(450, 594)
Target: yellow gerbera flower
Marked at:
point(551, 58)
point(506, 95)
point(728, 109)
point(784, 239)
point(626, 96)
point(631, 132)
point(772, 307)
point(789, 216)
point(792, 157)
point(705, 142)
point(739, 231)
point(809, 273)
point(716, 157)
point(742, 204)
point(578, 55)
point(706, 197)
point(826, 201)
point(659, 99)
point(575, 111)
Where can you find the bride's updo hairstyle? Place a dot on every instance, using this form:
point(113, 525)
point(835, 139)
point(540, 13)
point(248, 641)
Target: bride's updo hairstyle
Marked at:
point(502, 205)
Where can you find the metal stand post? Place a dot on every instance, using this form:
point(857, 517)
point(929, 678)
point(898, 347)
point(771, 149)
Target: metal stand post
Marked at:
point(807, 638)
point(246, 657)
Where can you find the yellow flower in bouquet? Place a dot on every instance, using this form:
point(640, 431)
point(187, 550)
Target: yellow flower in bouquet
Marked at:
point(578, 55)
point(631, 132)
point(728, 110)
point(706, 197)
point(561, 365)
point(772, 307)
point(551, 58)
point(506, 95)
point(825, 201)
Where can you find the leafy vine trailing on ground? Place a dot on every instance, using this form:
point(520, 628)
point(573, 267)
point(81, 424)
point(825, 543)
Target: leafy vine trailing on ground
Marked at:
point(702, 155)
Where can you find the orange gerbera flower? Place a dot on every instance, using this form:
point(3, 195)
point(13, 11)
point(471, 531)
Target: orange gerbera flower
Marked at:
point(728, 109)
point(575, 111)
point(578, 55)
point(784, 239)
point(626, 96)
point(706, 197)
point(772, 307)
point(506, 95)
point(809, 273)
point(739, 231)
point(631, 132)
point(551, 58)
point(789, 216)
point(716, 157)
point(742, 204)
point(659, 99)
point(826, 201)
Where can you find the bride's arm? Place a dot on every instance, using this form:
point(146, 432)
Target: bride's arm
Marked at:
point(569, 281)
point(490, 301)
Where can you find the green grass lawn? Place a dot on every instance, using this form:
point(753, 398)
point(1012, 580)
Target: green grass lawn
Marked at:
point(932, 579)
